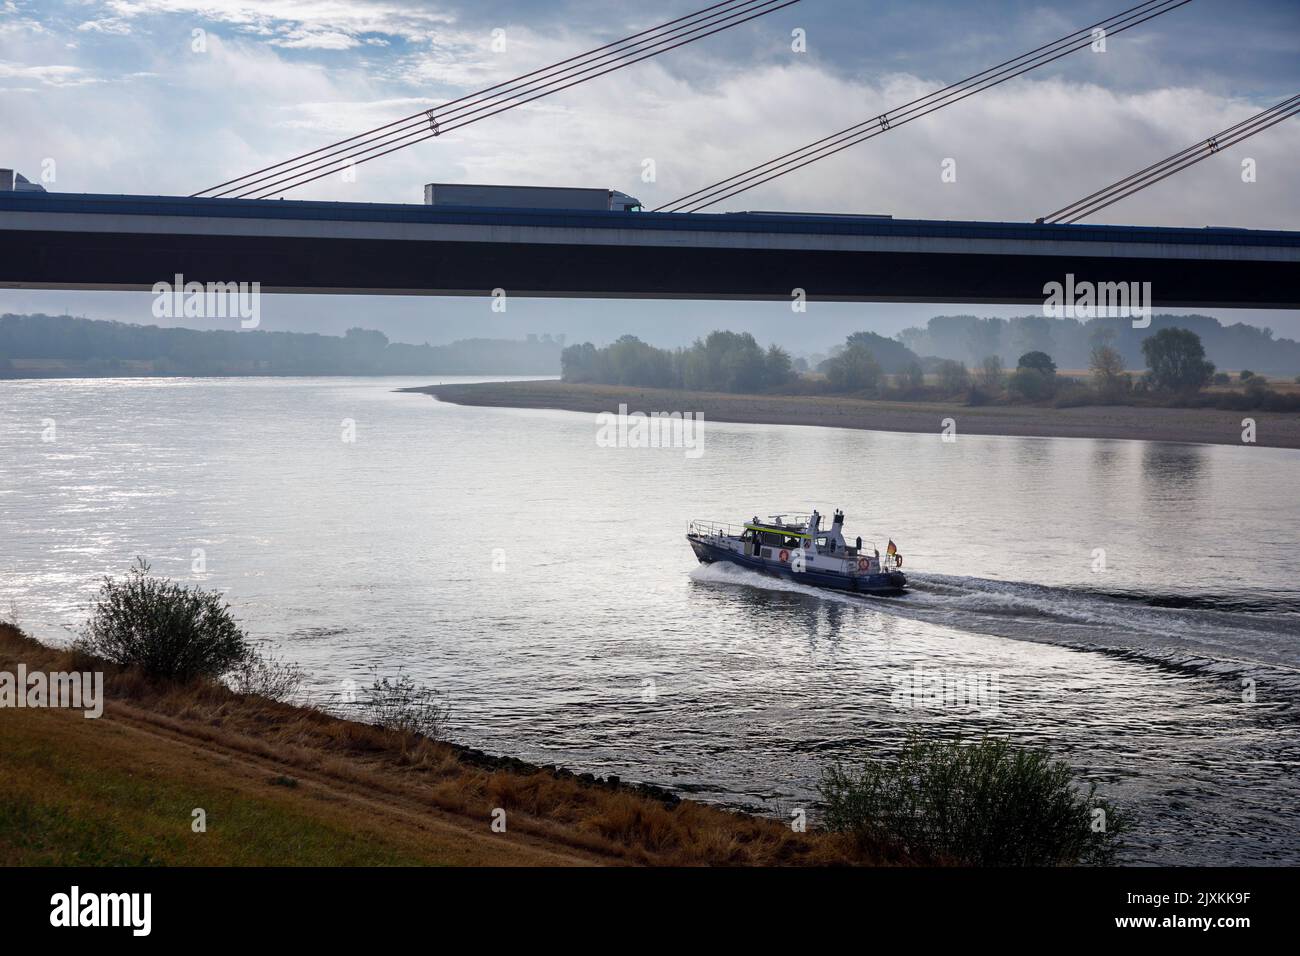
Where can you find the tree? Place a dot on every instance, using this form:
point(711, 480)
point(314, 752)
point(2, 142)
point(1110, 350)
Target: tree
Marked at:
point(854, 370)
point(1038, 361)
point(991, 372)
point(953, 376)
point(913, 376)
point(1107, 366)
point(779, 367)
point(1177, 362)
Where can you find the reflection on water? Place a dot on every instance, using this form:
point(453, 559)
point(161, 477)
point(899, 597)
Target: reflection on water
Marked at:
point(545, 585)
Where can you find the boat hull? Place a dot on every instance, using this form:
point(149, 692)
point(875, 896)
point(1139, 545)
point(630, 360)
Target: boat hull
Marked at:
point(883, 583)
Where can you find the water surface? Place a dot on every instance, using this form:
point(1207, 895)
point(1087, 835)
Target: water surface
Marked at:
point(544, 584)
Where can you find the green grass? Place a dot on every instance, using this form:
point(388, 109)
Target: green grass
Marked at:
point(76, 805)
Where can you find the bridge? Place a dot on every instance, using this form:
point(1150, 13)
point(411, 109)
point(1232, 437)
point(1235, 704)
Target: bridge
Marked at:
point(89, 241)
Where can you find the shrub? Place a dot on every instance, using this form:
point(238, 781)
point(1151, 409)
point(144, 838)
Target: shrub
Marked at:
point(1245, 375)
point(399, 703)
point(981, 804)
point(168, 630)
point(1222, 378)
point(263, 674)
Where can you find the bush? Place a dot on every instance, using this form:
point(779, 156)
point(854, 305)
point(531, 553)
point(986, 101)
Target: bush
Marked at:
point(399, 703)
point(982, 804)
point(1222, 378)
point(1245, 375)
point(263, 674)
point(168, 630)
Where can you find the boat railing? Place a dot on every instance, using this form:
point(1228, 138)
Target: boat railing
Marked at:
point(715, 529)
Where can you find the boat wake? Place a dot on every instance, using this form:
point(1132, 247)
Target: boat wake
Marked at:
point(1233, 637)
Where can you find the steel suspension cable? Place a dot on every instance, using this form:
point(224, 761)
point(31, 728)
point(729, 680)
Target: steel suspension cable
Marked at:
point(914, 109)
point(1197, 152)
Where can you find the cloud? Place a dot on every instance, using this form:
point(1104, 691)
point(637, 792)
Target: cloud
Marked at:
point(50, 75)
point(111, 25)
point(298, 18)
point(316, 40)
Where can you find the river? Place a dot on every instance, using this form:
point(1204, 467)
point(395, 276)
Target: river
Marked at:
point(1135, 606)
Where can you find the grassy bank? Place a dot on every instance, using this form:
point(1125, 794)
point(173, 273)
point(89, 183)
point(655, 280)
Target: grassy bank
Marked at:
point(288, 785)
point(1202, 425)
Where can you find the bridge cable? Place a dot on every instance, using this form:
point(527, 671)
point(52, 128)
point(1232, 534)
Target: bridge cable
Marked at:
point(437, 129)
point(498, 98)
point(1179, 161)
point(915, 109)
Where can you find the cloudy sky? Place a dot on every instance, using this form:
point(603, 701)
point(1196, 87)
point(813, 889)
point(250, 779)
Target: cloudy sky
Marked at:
point(118, 97)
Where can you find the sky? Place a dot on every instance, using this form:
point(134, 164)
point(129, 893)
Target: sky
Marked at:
point(171, 96)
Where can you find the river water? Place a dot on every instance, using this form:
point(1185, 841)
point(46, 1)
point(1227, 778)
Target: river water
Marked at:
point(1133, 606)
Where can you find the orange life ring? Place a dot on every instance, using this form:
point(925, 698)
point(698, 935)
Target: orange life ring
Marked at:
point(785, 555)
point(863, 564)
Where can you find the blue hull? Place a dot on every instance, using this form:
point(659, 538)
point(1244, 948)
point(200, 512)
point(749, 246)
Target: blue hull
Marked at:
point(885, 582)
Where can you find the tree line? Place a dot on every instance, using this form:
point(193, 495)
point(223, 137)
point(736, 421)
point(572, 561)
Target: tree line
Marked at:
point(97, 347)
point(869, 365)
point(970, 339)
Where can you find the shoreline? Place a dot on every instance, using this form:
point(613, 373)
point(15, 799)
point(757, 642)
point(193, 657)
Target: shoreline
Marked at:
point(1208, 426)
point(287, 785)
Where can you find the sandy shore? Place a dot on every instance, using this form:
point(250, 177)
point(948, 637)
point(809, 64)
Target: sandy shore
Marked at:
point(1199, 425)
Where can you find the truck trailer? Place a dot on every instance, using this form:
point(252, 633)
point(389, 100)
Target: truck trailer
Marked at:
point(529, 197)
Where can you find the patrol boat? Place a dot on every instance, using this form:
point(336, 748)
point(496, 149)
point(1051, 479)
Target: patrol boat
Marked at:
point(798, 548)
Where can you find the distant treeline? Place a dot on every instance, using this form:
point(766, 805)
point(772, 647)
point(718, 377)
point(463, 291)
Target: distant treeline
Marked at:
point(868, 365)
point(722, 362)
point(970, 339)
point(42, 345)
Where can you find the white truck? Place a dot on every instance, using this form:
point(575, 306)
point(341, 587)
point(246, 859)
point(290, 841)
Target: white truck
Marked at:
point(529, 197)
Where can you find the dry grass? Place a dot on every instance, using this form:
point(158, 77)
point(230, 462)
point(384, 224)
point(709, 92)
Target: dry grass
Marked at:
point(300, 771)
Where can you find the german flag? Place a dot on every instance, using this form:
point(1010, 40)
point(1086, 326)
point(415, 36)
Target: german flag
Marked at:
point(892, 549)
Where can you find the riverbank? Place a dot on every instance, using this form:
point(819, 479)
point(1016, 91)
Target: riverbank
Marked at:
point(1196, 425)
point(279, 784)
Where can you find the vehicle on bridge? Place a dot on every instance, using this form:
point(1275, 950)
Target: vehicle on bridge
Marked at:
point(13, 181)
point(529, 197)
point(797, 548)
